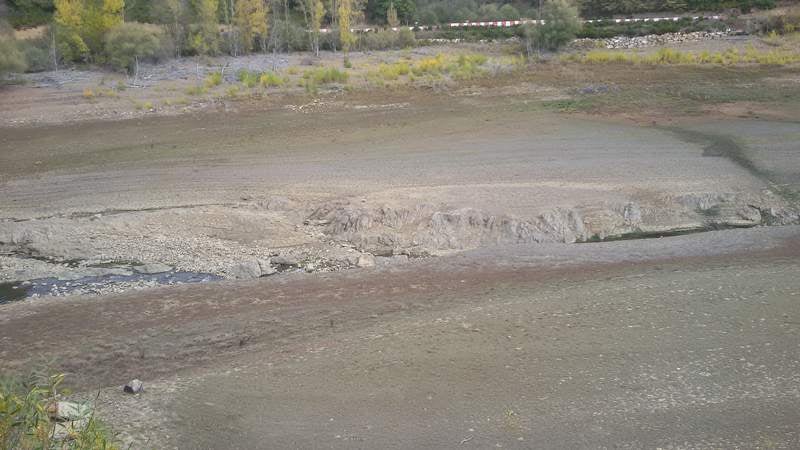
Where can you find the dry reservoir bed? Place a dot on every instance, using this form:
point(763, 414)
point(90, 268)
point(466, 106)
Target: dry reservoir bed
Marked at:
point(106, 207)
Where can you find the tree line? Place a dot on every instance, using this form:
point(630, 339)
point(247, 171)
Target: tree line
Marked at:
point(426, 12)
point(120, 33)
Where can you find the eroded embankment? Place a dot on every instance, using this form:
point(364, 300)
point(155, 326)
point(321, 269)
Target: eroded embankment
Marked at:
point(108, 253)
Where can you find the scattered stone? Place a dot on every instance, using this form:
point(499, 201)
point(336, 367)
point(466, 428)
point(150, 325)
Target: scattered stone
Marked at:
point(245, 270)
point(152, 268)
point(366, 260)
point(68, 411)
point(651, 40)
point(266, 267)
point(134, 387)
point(284, 260)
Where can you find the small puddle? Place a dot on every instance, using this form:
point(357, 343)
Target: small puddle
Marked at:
point(10, 292)
point(20, 290)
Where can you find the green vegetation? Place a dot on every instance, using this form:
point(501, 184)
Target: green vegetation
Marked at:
point(248, 78)
point(600, 30)
point(561, 25)
point(196, 90)
point(271, 79)
point(12, 59)
point(326, 75)
point(81, 26)
point(670, 56)
point(213, 80)
point(131, 42)
point(26, 422)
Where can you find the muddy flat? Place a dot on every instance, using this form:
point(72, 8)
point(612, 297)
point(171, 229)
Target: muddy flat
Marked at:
point(687, 341)
point(411, 269)
point(220, 194)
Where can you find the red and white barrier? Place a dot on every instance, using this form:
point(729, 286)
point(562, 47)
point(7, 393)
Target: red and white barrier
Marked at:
point(515, 23)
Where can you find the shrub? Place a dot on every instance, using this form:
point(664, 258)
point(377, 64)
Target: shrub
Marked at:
point(288, 36)
point(670, 56)
point(326, 75)
point(270, 79)
point(406, 38)
point(37, 55)
point(25, 421)
point(11, 58)
point(214, 79)
point(129, 43)
point(248, 78)
point(560, 27)
point(431, 65)
point(196, 90)
point(232, 91)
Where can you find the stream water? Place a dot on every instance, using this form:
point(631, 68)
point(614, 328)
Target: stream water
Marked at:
point(20, 290)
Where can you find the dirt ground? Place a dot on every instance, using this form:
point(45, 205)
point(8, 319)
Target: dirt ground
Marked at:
point(687, 341)
point(479, 310)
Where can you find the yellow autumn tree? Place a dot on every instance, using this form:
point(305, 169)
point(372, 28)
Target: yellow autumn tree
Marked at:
point(251, 21)
point(314, 12)
point(203, 32)
point(82, 24)
point(345, 33)
point(391, 16)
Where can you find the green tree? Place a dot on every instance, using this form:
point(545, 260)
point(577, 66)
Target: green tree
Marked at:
point(377, 10)
point(313, 12)
point(29, 12)
point(203, 32)
point(346, 36)
point(251, 20)
point(82, 24)
point(172, 15)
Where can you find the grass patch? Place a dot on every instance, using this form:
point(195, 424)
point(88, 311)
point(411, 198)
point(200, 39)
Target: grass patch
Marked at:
point(669, 56)
point(248, 78)
point(271, 79)
point(213, 80)
point(196, 90)
point(326, 75)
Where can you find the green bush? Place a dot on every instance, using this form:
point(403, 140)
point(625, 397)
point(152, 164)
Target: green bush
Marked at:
point(213, 80)
point(386, 39)
point(30, 13)
point(12, 59)
point(248, 78)
point(289, 36)
point(37, 54)
point(129, 43)
point(560, 27)
point(406, 38)
point(25, 422)
point(270, 79)
point(326, 75)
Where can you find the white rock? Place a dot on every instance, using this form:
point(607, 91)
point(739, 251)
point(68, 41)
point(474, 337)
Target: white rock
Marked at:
point(366, 260)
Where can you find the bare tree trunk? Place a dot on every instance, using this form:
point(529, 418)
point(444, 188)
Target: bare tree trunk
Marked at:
point(54, 49)
point(135, 70)
point(539, 23)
